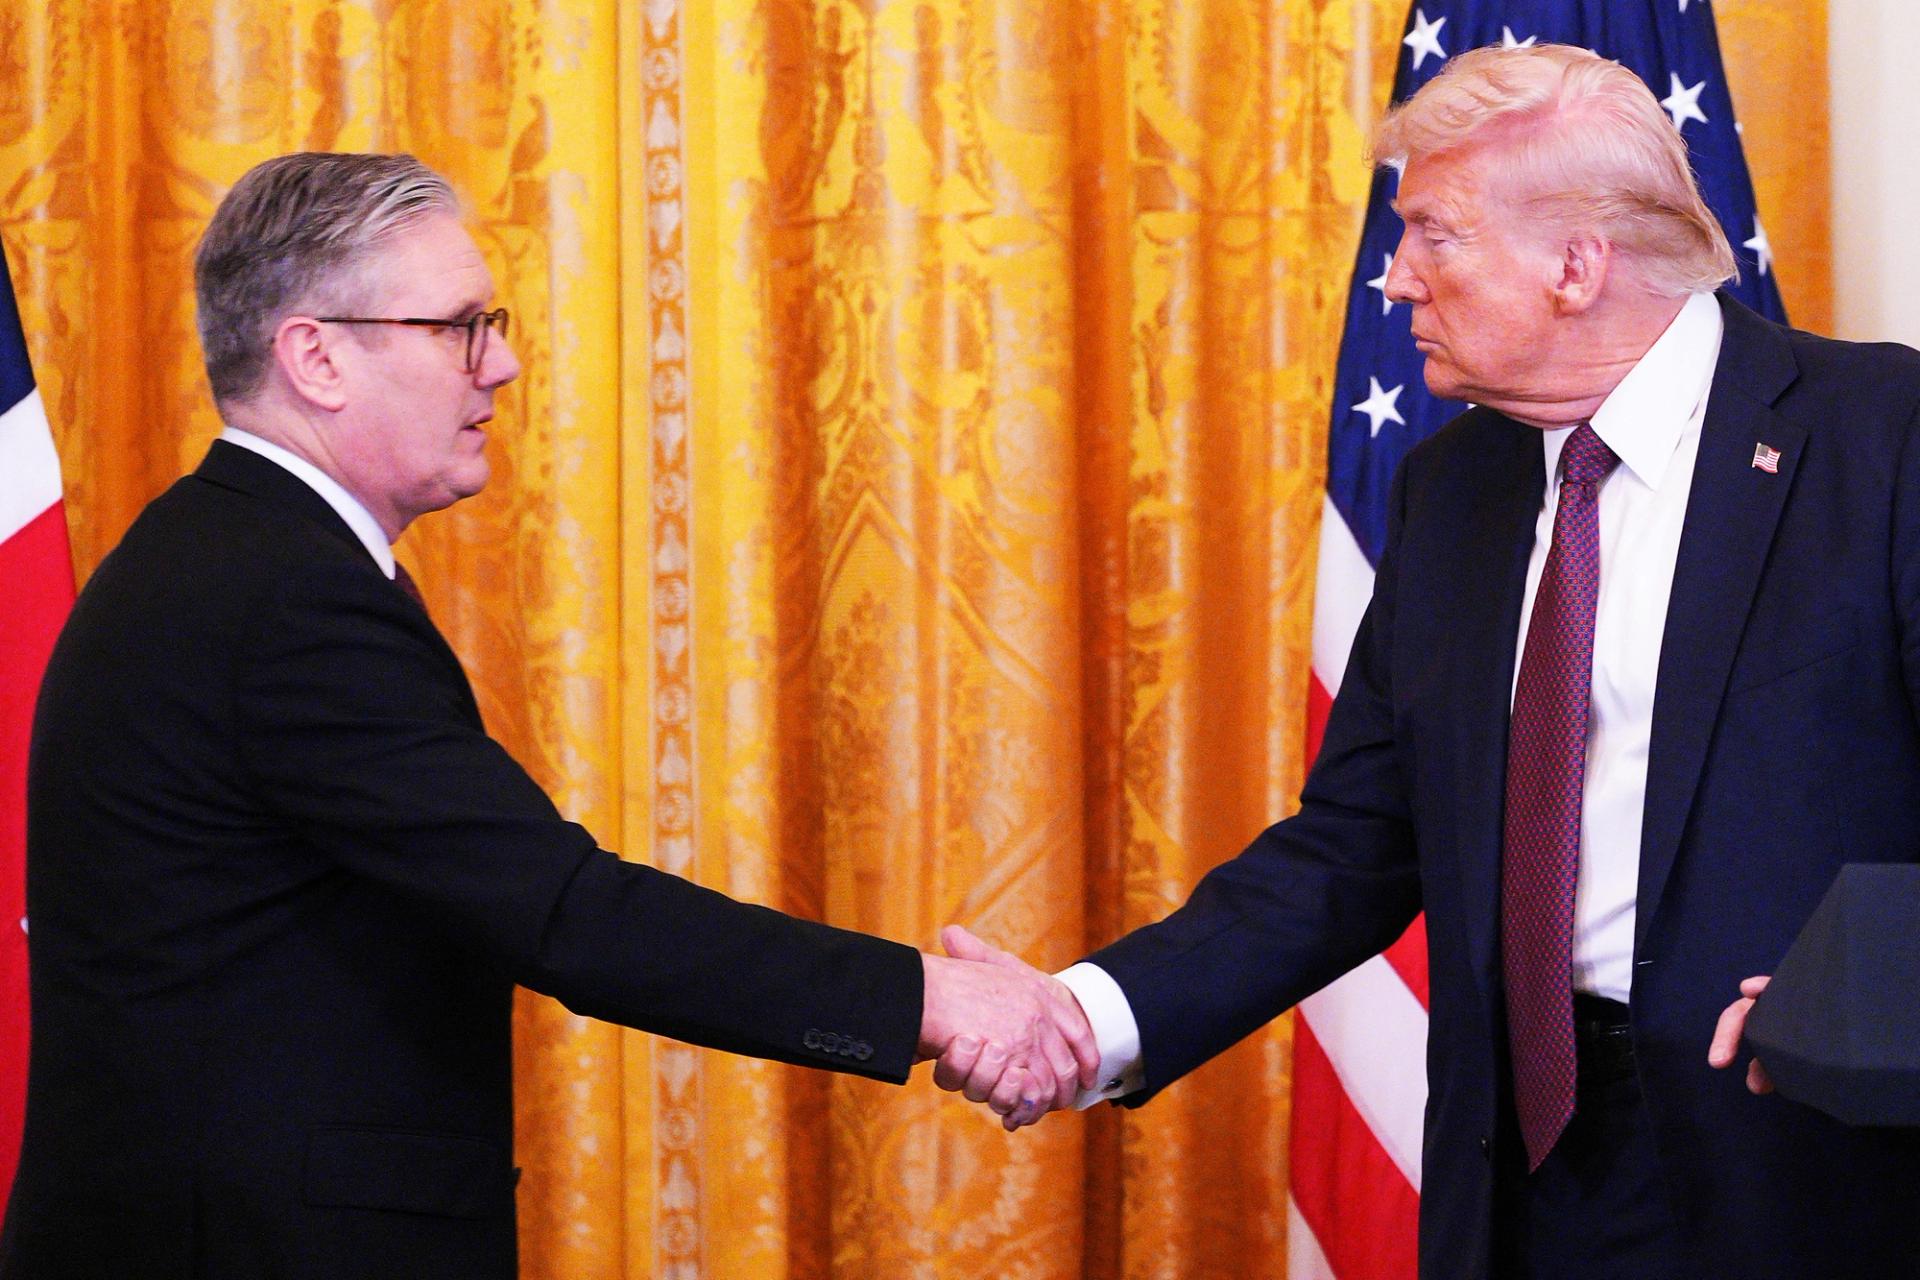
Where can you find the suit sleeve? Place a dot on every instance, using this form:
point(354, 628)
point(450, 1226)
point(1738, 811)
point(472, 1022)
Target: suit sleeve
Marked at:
point(360, 733)
point(1310, 898)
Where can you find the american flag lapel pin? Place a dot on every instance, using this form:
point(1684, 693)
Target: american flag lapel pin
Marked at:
point(1766, 458)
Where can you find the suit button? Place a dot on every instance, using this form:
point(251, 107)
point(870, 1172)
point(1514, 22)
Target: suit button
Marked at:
point(1486, 1146)
point(862, 1051)
point(811, 1039)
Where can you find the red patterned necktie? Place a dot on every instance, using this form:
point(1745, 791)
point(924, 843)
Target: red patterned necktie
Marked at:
point(1546, 767)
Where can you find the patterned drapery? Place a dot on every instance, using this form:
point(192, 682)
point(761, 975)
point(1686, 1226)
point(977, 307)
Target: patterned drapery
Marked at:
point(907, 514)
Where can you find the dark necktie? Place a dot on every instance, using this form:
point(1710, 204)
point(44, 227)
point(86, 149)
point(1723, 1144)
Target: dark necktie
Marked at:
point(1546, 767)
point(404, 580)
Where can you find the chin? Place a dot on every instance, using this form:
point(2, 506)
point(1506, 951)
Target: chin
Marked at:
point(1444, 385)
point(469, 478)
point(472, 460)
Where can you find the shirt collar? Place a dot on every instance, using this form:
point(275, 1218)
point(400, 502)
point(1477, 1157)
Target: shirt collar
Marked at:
point(364, 526)
point(1662, 396)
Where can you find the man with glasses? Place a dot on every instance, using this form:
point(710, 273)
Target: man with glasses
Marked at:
point(282, 883)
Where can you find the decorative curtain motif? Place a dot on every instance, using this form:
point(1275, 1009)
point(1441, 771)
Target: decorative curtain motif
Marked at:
point(906, 514)
point(662, 1083)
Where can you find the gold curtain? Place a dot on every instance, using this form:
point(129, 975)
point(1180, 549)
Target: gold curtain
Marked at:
point(907, 514)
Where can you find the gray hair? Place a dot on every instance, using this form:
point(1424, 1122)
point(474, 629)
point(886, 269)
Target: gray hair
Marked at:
point(289, 236)
point(1580, 142)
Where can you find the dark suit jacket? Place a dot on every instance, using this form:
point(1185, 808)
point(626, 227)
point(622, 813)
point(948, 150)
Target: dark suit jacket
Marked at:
point(281, 886)
point(1784, 744)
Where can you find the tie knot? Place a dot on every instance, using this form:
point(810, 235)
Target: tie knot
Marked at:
point(1586, 458)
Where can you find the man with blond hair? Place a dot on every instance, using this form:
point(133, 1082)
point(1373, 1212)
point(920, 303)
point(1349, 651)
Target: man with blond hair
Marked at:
point(1640, 672)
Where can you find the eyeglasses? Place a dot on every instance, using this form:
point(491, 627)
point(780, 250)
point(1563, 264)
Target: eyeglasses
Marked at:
point(476, 328)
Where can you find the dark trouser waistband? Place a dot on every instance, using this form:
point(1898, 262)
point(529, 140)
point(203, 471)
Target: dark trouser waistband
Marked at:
point(1602, 1038)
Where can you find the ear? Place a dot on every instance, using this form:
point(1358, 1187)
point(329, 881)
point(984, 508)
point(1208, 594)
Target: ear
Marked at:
point(1581, 273)
point(304, 352)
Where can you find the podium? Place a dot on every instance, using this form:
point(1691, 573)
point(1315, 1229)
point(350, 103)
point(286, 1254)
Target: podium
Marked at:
point(1838, 1027)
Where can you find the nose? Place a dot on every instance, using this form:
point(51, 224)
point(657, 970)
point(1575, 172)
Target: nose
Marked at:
point(1403, 282)
point(499, 364)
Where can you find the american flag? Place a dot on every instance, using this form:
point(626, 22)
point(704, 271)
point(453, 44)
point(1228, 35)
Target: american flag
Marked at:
point(1359, 1052)
point(1767, 458)
point(36, 585)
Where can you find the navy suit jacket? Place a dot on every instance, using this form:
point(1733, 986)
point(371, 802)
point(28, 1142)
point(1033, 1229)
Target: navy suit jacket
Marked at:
point(282, 884)
point(1784, 744)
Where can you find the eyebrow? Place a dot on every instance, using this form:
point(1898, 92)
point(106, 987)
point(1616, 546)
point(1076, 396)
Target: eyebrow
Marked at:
point(1419, 217)
point(465, 310)
point(1424, 217)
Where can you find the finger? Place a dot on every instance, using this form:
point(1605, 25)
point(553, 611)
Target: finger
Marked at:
point(1015, 1092)
point(1025, 1114)
point(1726, 1033)
point(1071, 1020)
point(1754, 986)
point(1056, 1078)
point(986, 1073)
point(1758, 1081)
point(1066, 1085)
point(951, 1071)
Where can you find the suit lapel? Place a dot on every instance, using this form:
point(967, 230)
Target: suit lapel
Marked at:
point(1732, 512)
point(1511, 483)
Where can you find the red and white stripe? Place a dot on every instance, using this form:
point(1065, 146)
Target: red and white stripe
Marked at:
point(1359, 1060)
point(36, 591)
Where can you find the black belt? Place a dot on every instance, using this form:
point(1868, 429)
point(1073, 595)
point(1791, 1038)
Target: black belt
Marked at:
point(1602, 1038)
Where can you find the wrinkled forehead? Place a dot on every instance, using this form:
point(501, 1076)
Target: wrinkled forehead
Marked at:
point(1449, 186)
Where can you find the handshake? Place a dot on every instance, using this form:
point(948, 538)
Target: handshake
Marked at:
point(1003, 1032)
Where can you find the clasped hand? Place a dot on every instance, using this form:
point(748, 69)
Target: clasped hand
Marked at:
point(1003, 1032)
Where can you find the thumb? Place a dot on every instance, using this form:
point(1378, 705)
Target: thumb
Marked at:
point(962, 945)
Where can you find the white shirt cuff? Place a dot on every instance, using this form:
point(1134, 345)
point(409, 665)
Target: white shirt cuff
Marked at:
point(1115, 1033)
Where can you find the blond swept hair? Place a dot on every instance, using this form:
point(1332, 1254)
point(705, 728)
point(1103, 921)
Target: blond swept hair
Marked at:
point(1577, 140)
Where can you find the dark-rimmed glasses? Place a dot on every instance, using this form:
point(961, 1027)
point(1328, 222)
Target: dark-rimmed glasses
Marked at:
point(476, 328)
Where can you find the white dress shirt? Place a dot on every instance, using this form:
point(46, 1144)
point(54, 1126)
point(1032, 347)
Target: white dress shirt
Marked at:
point(364, 526)
point(1652, 421)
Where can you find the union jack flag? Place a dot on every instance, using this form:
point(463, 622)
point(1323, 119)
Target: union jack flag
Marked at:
point(38, 578)
point(1360, 1045)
